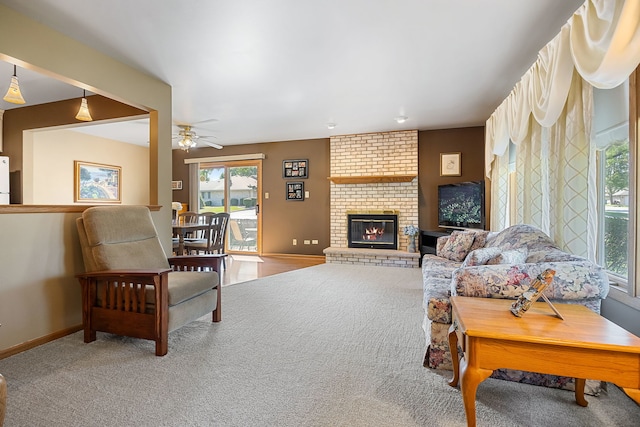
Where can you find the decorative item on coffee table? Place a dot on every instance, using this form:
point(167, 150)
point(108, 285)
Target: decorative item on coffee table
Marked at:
point(535, 291)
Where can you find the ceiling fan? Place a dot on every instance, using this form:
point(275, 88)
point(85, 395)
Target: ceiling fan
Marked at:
point(188, 138)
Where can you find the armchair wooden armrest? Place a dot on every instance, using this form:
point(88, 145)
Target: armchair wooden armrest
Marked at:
point(197, 262)
point(120, 273)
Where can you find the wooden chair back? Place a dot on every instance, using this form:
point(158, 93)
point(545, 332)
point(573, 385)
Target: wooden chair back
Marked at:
point(218, 232)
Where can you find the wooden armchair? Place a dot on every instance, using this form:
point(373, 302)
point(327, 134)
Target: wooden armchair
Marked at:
point(131, 288)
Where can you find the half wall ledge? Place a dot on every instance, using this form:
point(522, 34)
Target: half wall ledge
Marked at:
point(379, 257)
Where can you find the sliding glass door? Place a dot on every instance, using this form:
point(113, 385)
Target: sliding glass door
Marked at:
point(234, 187)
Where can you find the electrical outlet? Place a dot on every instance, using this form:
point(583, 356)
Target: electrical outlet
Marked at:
point(307, 242)
point(314, 242)
point(295, 242)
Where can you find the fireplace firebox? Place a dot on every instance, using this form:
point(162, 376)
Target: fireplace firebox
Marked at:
point(374, 231)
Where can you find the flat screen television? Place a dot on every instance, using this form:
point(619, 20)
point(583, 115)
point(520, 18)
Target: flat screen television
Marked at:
point(461, 205)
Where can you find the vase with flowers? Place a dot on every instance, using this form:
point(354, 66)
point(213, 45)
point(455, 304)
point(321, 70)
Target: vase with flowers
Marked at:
point(412, 231)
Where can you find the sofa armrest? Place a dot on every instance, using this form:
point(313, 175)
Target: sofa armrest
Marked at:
point(574, 280)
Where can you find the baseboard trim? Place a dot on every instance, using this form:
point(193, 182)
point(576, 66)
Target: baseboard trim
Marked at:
point(28, 345)
point(297, 256)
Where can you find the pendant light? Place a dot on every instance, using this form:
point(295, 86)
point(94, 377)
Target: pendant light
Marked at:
point(83, 112)
point(13, 94)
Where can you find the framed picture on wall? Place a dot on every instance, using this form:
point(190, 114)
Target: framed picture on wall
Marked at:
point(97, 183)
point(295, 191)
point(295, 168)
point(450, 164)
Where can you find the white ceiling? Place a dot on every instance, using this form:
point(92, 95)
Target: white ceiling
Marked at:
point(273, 70)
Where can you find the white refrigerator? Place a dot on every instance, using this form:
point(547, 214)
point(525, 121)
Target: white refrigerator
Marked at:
point(4, 180)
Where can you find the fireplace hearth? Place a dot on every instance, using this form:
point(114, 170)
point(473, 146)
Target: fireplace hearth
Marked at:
point(373, 231)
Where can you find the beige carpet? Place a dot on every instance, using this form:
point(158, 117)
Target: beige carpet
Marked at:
point(330, 345)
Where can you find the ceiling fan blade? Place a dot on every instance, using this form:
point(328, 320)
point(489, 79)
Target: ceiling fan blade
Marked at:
point(212, 144)
point(205, 121)
point(180, 123)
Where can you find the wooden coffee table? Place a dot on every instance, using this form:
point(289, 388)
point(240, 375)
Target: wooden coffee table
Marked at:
point(583, 345)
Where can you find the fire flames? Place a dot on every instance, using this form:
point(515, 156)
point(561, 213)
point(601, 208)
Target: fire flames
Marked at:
point(373, 233)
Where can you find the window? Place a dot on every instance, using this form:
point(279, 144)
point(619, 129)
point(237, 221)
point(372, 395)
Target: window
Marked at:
point(615, 168)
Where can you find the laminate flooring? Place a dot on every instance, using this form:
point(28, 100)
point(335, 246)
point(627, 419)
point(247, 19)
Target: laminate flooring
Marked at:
point(242, 268)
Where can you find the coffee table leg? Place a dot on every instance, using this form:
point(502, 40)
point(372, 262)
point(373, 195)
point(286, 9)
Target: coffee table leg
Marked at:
point(580, 400)
point(471, 377)
point(453, 348)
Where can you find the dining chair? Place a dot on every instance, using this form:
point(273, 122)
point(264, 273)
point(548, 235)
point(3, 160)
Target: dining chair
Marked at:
point(215, 234)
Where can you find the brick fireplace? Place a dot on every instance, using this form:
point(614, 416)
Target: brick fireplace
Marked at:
point(373, 171)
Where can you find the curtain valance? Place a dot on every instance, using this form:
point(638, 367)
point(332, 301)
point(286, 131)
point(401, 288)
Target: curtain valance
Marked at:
point(601, 41)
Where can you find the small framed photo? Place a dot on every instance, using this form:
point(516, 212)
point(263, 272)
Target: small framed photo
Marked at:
point(97, 183)
point(295, 191)
point(176, 185)
point(450, 164)
point(295, 168)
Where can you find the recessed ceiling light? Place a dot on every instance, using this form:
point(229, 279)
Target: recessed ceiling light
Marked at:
point(331, 125)
point(401, 119)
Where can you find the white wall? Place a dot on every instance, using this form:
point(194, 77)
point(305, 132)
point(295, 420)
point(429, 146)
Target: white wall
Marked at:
point(52, 154)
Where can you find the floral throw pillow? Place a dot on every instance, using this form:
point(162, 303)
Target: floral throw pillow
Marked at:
point(480, 239)
point(515, 256)
point(480, 256)
point(458, 246)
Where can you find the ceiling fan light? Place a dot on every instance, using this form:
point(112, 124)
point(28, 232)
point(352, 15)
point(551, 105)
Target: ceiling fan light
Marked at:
point(13, 93)
point(186, 143)
point(83, 112)
point(401, 119)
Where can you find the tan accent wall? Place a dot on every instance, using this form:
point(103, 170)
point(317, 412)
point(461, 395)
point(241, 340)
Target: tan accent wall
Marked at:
point(374, 154)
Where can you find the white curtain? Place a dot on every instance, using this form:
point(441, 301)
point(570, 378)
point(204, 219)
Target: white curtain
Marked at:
point(605, 41)
point(548, 116)
point(500, 192)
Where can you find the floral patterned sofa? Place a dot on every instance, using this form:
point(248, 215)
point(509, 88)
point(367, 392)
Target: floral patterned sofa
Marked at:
point(501, 265)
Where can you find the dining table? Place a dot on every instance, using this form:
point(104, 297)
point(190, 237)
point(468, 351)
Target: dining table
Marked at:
point(182, 229)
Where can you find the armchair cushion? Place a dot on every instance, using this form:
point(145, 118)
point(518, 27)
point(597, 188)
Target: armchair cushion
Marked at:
point(122, 239)
point(184, 285)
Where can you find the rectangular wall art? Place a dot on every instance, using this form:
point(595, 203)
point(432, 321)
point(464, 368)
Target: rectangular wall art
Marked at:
point(295, 169)
point(295, 190)
point(97, 183)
